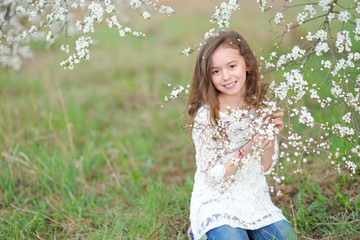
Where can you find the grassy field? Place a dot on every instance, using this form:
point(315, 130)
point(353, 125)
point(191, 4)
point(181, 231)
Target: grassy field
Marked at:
point(89, 154)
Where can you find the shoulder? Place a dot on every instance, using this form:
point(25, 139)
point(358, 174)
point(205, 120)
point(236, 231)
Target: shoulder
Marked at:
point(203, 114)
point(202, 122)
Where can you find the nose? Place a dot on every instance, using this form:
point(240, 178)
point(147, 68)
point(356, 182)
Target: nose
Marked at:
point(226, 75)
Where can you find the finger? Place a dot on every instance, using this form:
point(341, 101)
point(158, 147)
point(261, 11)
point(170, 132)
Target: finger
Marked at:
point(266, 145)
point(277, 122)
point(279, 114)
point(258, 141)
point(256, 138)
point(276, 119)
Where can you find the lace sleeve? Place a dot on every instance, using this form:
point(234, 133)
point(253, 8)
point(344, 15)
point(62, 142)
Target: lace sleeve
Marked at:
point(208, 148)
point(274, 157)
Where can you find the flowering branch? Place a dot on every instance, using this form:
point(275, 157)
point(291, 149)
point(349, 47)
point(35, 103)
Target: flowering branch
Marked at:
point(327, 51)
point(23, 21)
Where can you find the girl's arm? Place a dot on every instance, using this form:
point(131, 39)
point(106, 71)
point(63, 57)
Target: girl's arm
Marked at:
point(231, 168)
point(266, 158)
point(207, 151)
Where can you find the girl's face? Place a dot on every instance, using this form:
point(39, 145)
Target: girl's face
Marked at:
point(228, 72)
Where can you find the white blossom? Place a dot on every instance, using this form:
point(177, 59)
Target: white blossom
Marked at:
point(327, 63)
point(209, 33)
point(186, 51)
point(279, 17)
point(311, 10)
point(356, 150)
point(65, 48)
point(294, 80)
point(135, 4)
point(309, 36)
point(344, 16)
point(296, 53)
point(146, 15)
point(301, 17)
point(331, 16)
point(351, 166)
point(347, 117)
point(357, 29)
point(96, 11)
point(223, 13)
point(262, 4)
point(176, 92)
point(336, 90)
point(314, 94)
point(306, 117)
point(50, 37)
point(343, 41)
point(325, 4)
point(342, 131)
point(166, 10)
point(321, 47)
point(321, 35)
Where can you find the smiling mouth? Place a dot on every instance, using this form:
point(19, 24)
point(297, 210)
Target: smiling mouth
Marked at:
point(230, 85)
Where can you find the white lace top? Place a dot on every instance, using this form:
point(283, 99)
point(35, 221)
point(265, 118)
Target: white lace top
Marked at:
point(242, 202)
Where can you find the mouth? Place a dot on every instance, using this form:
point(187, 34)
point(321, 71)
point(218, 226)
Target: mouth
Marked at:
point(230, 85)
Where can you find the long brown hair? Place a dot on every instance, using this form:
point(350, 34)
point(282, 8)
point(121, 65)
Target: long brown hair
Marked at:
point(203, 91)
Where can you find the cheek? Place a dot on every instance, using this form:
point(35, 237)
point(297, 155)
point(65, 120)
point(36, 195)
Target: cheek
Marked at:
point(215, 80)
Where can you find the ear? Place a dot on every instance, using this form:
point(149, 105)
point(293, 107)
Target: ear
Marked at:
point(248, 69)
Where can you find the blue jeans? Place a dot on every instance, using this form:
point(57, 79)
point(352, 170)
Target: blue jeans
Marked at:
point(281, 230)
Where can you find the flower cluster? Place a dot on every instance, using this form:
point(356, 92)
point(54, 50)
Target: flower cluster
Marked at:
point(262, 5)
point(223, 13)
point(325, 4)
point(294, 80)
point(82, 52)
point(343, 41)
point(23, 21)
point(176, 92)
point(221, 17)
point(279, 17)
point(144, 5)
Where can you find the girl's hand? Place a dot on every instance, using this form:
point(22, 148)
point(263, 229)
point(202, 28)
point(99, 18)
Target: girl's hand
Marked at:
point(265, 144)
point(258, 141)
point(277, 120)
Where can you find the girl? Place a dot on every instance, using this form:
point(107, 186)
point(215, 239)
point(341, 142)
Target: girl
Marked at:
point(230, 198)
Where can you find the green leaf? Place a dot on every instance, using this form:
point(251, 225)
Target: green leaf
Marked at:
point(312, 206)
point(342, 179)
point(316, 188)
point(298, 200)
point(343, 200)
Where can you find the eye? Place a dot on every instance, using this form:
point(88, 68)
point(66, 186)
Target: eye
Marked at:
point(232, 66)
point(215, 72)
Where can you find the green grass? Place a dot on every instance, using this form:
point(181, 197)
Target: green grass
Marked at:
point(89, 154)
